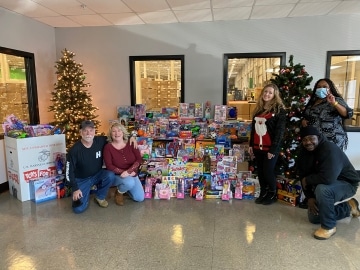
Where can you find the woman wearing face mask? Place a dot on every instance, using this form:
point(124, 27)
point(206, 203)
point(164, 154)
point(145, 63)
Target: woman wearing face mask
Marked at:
point(327, 110)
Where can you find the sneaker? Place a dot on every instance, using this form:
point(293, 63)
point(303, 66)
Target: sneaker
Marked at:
point(323, 234)
point(101, 203)
point(354, 207)
point(270, 198)
point(119, 197)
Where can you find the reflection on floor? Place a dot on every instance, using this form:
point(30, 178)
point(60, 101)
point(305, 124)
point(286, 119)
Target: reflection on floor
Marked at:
point(175, 234)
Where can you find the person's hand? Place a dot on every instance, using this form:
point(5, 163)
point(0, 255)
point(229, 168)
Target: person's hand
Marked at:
point(270, 156)
point(133, 142)
point(330, 98)
point(124, 174)
point(133, 174)
point(312, 207)
point(304, 123)
point(77, 195)
point(251, 151)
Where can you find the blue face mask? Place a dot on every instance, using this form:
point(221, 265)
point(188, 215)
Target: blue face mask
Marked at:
point(321, 92)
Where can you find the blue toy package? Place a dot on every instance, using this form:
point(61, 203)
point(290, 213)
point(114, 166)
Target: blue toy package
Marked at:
point(43, 190)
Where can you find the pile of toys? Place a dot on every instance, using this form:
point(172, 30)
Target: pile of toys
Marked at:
point(15, 128)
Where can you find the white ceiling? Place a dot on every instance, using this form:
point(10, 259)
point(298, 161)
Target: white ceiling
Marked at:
point(78, 13)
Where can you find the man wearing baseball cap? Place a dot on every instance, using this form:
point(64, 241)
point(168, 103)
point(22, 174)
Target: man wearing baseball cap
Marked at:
point(327, 177)
point(84, 168)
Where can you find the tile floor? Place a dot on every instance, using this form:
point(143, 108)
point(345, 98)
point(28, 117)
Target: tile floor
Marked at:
point(175, 234)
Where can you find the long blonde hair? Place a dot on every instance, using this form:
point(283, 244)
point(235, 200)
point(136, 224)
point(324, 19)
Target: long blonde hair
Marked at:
point(275, 104)
point(122, 128)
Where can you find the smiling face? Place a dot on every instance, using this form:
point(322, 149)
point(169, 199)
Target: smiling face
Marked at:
point(87, 134)
point(268, 94)
point(310, 142)
point(116, 133)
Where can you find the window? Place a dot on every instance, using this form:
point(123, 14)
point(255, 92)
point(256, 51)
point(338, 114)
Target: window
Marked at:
point(245, 74)
point(343, 68)
point(18, 93)
point(157, 81)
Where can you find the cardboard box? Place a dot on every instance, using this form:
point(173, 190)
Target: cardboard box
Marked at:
point(43, 190)
point(30, 159)
point(287, 197)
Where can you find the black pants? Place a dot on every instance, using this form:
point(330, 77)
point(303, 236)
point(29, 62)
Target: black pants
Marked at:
point(266, 170)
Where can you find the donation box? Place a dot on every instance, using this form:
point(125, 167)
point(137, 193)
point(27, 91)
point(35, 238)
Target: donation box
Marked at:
point(31, 159)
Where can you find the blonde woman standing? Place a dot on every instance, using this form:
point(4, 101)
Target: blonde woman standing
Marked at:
point(268, 127)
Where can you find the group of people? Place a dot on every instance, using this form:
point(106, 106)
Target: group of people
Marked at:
point(326, 174)
point(85, 170)
point(328, 179)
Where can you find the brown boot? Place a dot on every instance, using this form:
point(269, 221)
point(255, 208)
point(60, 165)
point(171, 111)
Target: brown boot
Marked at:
point(119, 198)
point(354, 207)
point(323, 234)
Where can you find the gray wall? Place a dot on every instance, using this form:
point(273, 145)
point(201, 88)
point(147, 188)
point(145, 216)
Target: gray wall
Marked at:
point(105, 51)
point(20, 33)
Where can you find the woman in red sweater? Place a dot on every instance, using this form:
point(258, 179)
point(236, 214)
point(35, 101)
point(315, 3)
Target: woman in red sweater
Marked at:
point(124, 160)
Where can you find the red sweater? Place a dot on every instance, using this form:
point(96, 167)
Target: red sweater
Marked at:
point(126, 159)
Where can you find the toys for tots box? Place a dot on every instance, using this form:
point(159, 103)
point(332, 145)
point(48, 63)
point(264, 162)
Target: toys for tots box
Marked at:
point(31, 159)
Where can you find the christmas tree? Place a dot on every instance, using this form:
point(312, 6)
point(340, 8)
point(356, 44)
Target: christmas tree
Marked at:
point(72, 104)
point(293, 82)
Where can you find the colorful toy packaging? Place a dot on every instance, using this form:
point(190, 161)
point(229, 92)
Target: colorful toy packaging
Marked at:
point(180, 194)
point(43, 190)
point(171, 182)
point(148, 188)
point(162, 192)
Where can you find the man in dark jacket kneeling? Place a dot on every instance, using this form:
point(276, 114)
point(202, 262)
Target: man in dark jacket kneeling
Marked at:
point(327, 177)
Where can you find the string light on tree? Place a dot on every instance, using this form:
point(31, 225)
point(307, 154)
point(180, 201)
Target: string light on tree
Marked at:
point(293, 82)
point(71, 103)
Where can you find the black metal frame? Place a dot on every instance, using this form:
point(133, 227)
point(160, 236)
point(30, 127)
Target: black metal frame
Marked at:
point(228, 56)
point(31, 85)
point(329, 54)
point(133, 59)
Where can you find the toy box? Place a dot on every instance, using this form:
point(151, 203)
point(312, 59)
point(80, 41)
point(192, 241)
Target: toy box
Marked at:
point(158, 168)
point(220, 113)
point(194, 169)
point(30, 159)
point(171, 182)
point(226, 193)
point(238, 189)
point(43, 190)
point(180, 193)
point(145, 146)
point(148, 188)
point(176, 167)
point(125, 112)
point(287, 197)
point(162, 192)
point(140, 111)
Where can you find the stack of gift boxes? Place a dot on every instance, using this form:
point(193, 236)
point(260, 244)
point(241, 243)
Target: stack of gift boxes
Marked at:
point(188, 154)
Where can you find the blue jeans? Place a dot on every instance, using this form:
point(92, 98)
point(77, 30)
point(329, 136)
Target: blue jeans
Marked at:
point(266, 170)
point(103, 180)
point(132, 185)
point(326, 196)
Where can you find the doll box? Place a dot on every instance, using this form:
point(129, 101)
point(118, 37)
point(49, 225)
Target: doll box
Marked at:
point(43, 190)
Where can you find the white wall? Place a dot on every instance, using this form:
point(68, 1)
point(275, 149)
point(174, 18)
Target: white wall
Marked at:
point(105, 51)
point(20, 33)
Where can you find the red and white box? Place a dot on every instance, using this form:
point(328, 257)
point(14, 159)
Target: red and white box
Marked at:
point(30, 159)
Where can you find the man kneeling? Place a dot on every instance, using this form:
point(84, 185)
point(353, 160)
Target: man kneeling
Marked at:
point(327, 177)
